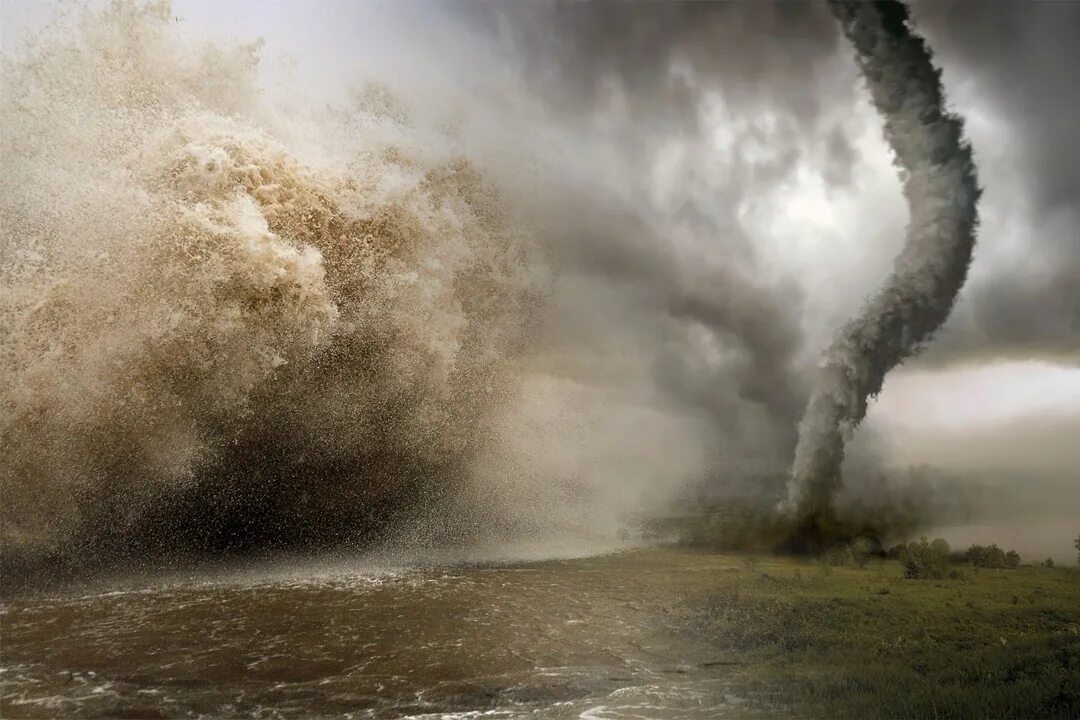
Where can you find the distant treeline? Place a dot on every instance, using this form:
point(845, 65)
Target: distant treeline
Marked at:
point(935, 560)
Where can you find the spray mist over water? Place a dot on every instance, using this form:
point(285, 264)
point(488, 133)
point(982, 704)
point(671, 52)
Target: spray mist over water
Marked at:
point(236, 321)
point(941, 189)
point(210, 345)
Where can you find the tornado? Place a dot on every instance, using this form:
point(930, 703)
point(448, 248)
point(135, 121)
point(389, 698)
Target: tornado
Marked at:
point(939, 183)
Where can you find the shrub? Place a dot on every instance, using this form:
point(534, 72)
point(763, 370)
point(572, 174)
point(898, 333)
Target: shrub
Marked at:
point(837, 556)
point(862, 549)
point(1048, 563)
point(927, 561)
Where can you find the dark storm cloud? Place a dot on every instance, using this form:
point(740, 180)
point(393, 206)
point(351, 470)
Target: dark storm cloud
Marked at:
point(580, 53)
point(652, 67)
point(715, 341)
point(718, 338)
point(1025, 55)
point(640, 79)
point(1023, 59)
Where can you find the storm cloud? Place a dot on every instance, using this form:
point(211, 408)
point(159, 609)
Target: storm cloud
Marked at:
point(1026, 302)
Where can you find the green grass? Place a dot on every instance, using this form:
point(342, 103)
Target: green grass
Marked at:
point(867, 643)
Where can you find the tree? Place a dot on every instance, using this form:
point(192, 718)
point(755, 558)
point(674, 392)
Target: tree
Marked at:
point(940, 547)
point(986, 556)
point(1077, 543)
point(991, 556)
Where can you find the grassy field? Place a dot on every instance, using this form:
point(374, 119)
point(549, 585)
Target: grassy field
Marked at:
point(865, 642)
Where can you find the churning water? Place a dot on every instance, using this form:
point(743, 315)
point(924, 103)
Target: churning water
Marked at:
point(596, 637)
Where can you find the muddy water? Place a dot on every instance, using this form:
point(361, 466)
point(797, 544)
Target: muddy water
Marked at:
point(591, 637)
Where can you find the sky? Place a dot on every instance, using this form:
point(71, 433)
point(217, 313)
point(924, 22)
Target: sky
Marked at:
point(743, 198)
